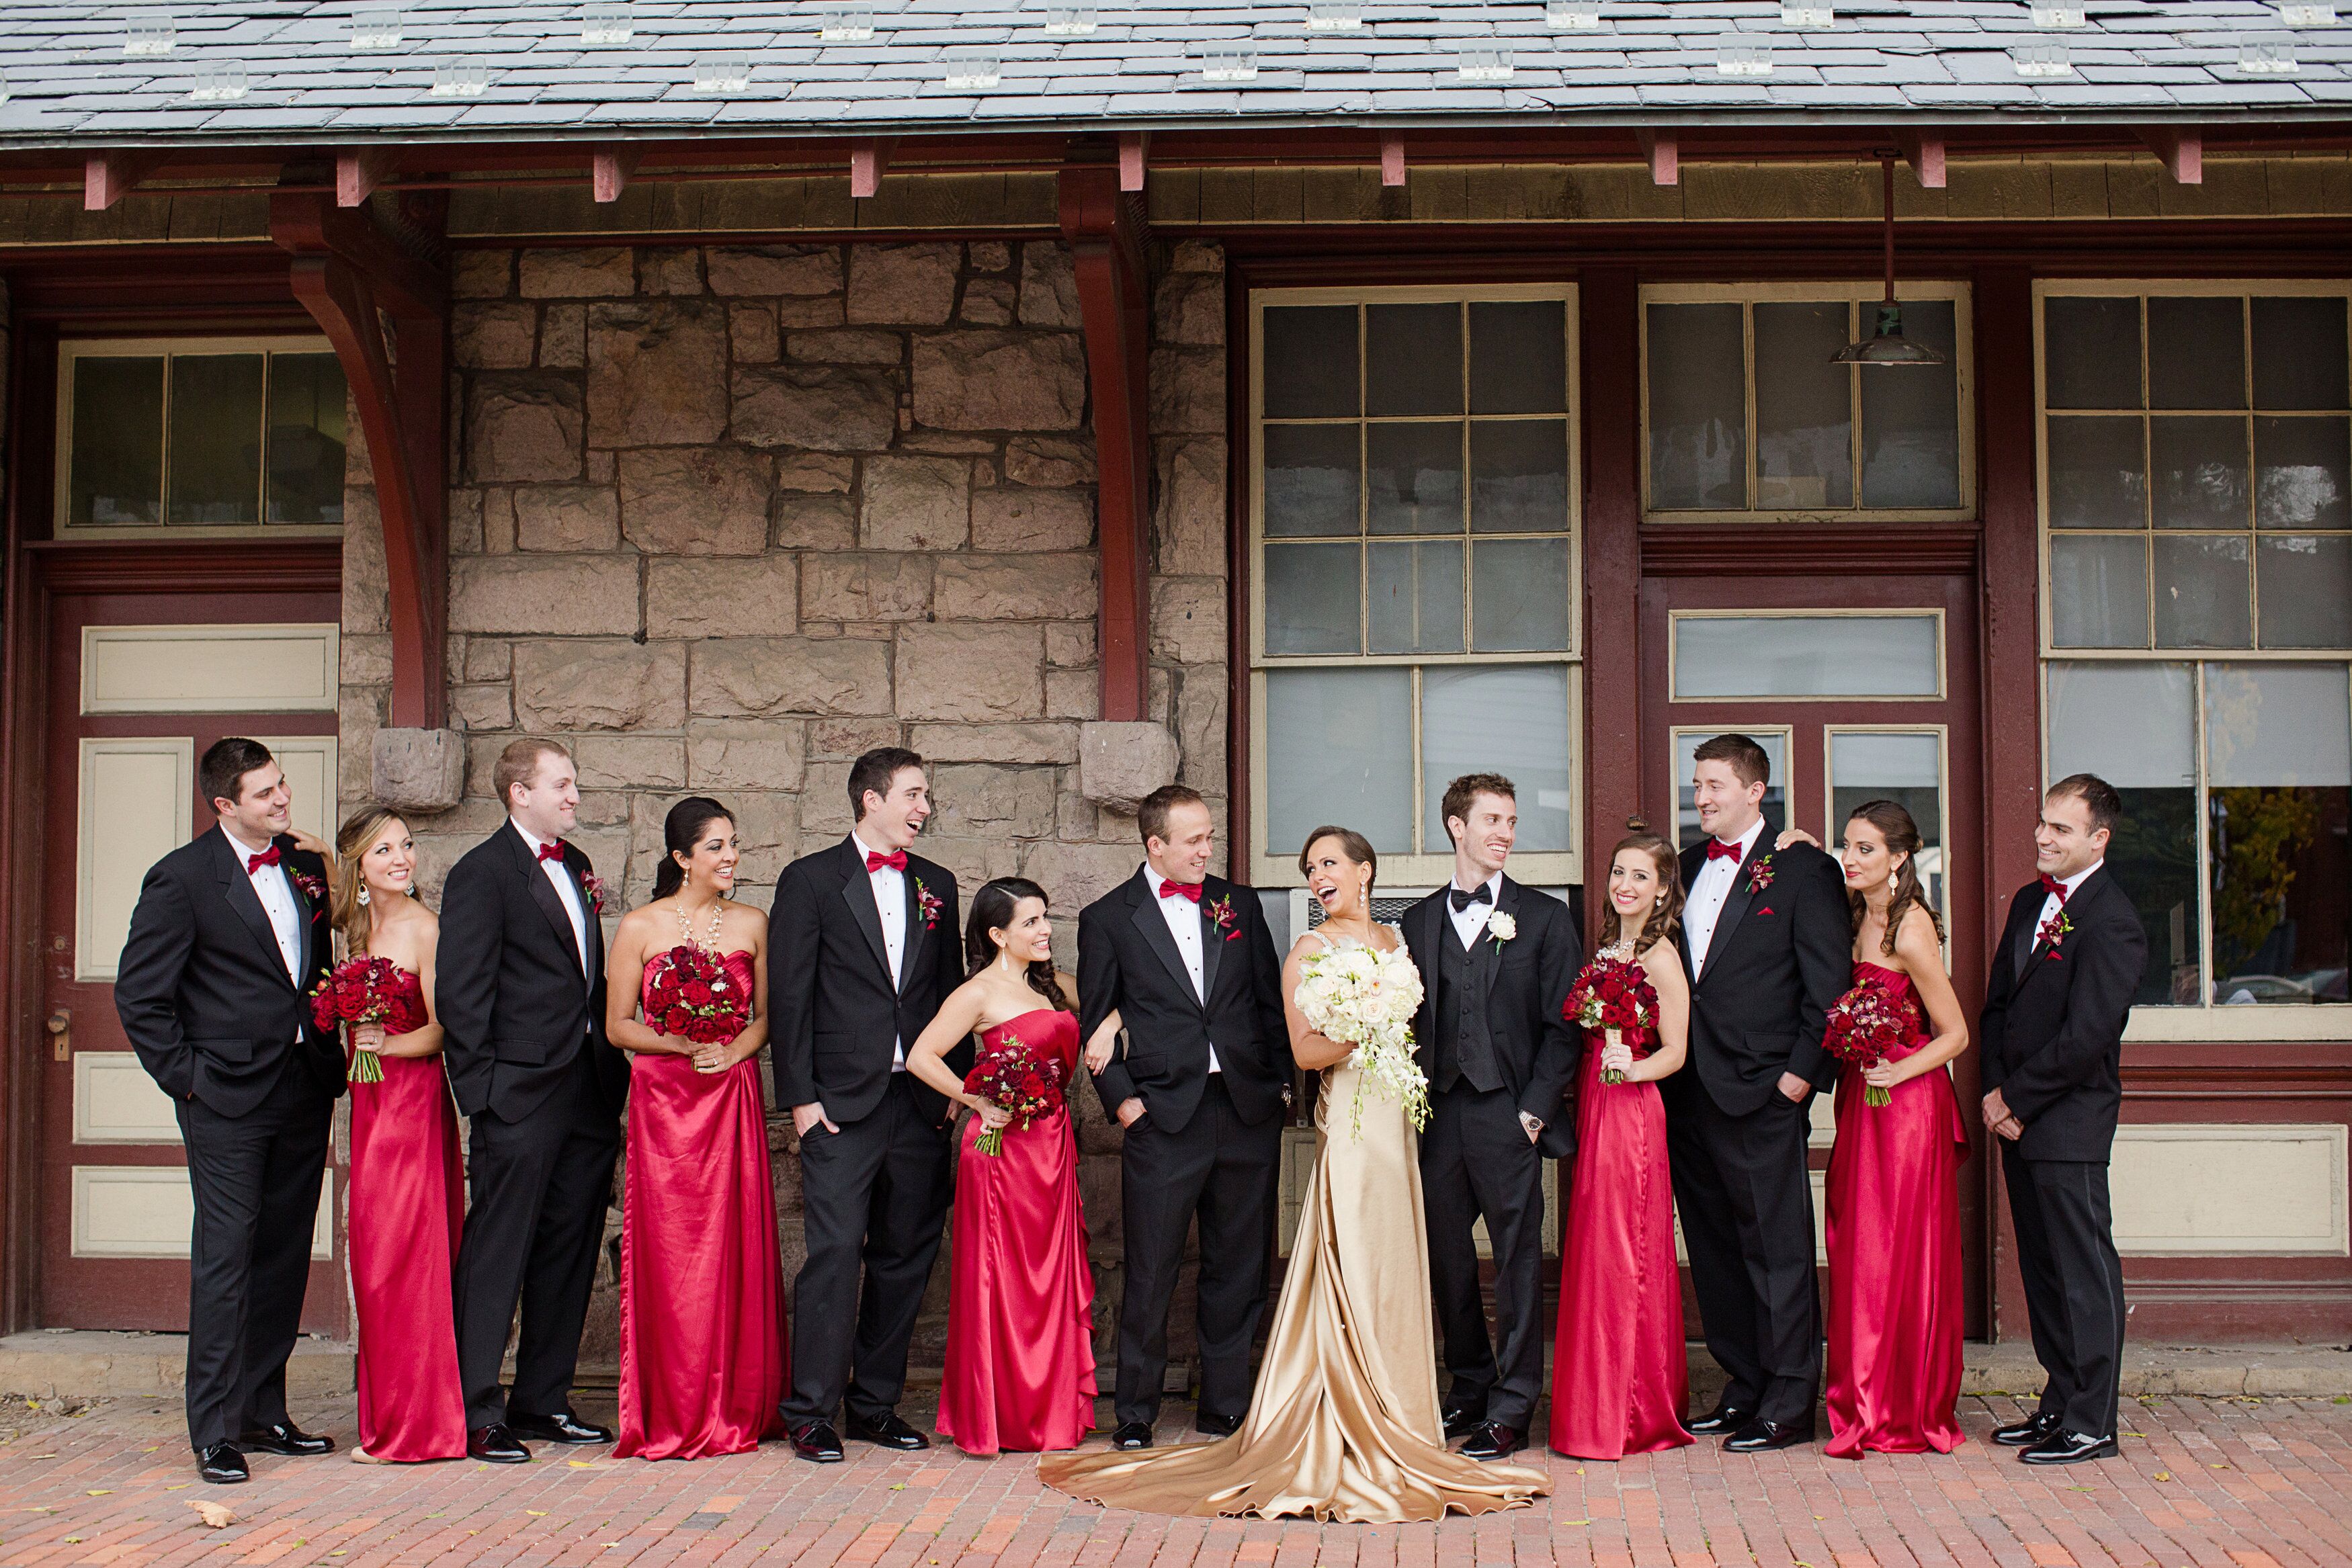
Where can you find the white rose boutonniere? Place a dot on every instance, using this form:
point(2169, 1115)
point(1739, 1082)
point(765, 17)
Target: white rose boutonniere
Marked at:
point(1502, 928)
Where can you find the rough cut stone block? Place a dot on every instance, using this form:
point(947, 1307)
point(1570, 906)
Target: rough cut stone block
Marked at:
point(994, 379)
point(984, 800)
point(1197, 255)
point(600, 683)
point(363, 661)
point(916, 503)
point(1190, 521)
point(749, 676)
point(606, 274)
point(1188, 620)
point(1016, 588)
point(546, 595)
point(482, 274)
point(989, 302)
point(1050, 460)
point(824, 408)
point(773, 269)
point(656, 373)
point(521, 426)
point(824, 800)
point(699, 500)
point(751, 328)
point(480, 707)
point(822, 311)
point(365, 584)
point(1035, 743)
point(1070, 643)
point(845, 739)
point(1201, 726)
point(815, 472)
point(867, 587)
point(910, 283)
point(745, 754)
point(971, 673)
point(1122, 762)
point(688, 597)
point(1049, 285)
point(567, 518)
point(494, 336)
point(990, 255)
point(1074, 693)
point(1075, 875)
point(417, 770)
point(630, 762)
point(1188, 308)
point(974, 861)
point(813, 522)
point(1187, 391)
point(847, 346)
point(563, 337)
point(677, 270)
point(1028, 520)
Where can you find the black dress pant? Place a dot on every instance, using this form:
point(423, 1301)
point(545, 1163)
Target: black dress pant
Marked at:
point(875, 1197)
point(1477, 1160)
point(1222, 1170)
point(255, 1179)
point(2073, 1284)
point(541, 1187)
point(1747, 1209)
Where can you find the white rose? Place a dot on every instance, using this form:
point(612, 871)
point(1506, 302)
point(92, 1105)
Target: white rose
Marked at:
point(1501, 926)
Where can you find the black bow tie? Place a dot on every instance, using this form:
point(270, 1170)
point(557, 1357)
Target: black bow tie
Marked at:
point(1482, 893)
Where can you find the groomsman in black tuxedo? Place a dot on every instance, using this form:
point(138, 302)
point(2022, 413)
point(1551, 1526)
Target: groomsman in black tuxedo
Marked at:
point(864, 945)
point(1497, 961)
point(2060, 988)
point(1186, 960)
point(228, 938)
point(520, 995)
point(1768, 938)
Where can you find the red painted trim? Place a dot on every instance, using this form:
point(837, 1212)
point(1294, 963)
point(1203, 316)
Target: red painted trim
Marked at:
point(1800, 549)
point(1608, 344)
point(205, 566)
point(1240, 573)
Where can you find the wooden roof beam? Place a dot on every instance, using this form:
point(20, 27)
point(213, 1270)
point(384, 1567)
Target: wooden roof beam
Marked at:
point(357, 176)
point(1134, 149)
point(1925, 153)
point(108, 177)
point(867, 163)
point(611, 170)
point(1666, 161)
point(1391, 161)
point(2182, 153)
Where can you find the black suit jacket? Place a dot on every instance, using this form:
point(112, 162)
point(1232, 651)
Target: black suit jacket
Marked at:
point(515, 1003)
point(2053, 1038)
point(1129, 961)
point(202, 988)
point(1526, 999)
point(1780, 959)
point(833, 1015)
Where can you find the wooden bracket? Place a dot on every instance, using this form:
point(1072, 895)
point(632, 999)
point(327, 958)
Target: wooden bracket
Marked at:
point(867, 161)
point(108, 177)
point(611, 171)
point(2182, 153)
point(405, 285)
point(1660, 148)
point(357, 174)
point(1926, 156)
point(1134, 148)
point(1391, 161)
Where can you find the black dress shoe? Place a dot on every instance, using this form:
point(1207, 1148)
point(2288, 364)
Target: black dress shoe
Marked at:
point(818, 1442)
point(1493, 1440)
point(562, 1428)
point(1725, 1417)
point(496, 1444)
point(2026, 1433)
point(2063, 1447)
point(223, 1464)
point(1760, 1436)
point(888, 1431)
point(289, 1439)
point(1131, 1435)
point(1216, 1425)
point(1461, 1422)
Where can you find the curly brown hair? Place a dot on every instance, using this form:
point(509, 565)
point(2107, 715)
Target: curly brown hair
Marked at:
point(1667, 922)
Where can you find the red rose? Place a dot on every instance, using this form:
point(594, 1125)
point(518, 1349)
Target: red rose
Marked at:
point(698, 994)
point(675, 1021)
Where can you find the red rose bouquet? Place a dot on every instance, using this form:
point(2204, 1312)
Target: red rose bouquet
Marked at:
point(361, 989)
point(1014, 1077)
point(693, 997)
point(1868, 1023)
point(1615, 997)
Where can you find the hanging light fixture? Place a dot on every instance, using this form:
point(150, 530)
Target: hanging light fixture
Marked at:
point(1887, 345)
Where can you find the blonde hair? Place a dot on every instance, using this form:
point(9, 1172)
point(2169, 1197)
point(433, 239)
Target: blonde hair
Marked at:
point(353, 919)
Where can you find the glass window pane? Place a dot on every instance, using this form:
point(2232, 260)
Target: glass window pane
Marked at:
point(1804, 655)
point(1310, 361)
point(1412, 359)
point(1332, 756)
point(1415, 475)
point(1518, 477)
point(1519, 357)
point(2200, 469)
point(1520, 596)
point(1313, 603)
point(2098, 474)
point(2303, 472)
point(1698, 410)
point(2132, 724)
point(117, 471)
point(2202, 595)
point(2197, 353)
point(1416, 598)
point(1511, 720)
point(1906, 768)
point(1804, 405)
point(215, 470)
point(1776, 802)
point(2090, 353)
point(2304, 583)
point(306, 438)
point(1911, 418)
point(2300, 352)
point(1310, 480)
point(2098, 591)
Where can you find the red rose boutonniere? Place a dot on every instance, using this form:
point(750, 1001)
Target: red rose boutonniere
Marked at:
point(929, 903)
point(1220, 915)
point(1760, 873)
point(313, 889)
point(2054, 932)
point(594, 885)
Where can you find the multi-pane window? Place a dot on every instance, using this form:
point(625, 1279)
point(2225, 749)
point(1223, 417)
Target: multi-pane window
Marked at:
point(199, 433)
point(1413, 511)
point(1745, 415)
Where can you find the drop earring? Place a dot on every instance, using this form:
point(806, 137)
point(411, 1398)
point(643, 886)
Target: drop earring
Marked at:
point(363, 896)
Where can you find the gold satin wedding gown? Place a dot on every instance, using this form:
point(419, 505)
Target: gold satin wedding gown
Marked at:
point(1344, 1422)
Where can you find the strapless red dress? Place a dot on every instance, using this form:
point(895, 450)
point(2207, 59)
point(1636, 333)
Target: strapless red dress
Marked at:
point(1021, 1358)
point(1893, 1212)
point(702, 1319)
point(407, 1201)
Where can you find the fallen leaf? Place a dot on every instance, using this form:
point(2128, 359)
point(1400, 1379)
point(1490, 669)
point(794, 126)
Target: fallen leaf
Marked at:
point(582, 1464)
point(179, 1486)
point(217, 1515)
point(53, 1456)
point(2164, 1475)
point(1556, 1522)
point(73, 1540)
point(102, 1492)
point(536, 1512)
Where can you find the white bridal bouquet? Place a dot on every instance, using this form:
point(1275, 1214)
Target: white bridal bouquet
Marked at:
point(1367, 1000)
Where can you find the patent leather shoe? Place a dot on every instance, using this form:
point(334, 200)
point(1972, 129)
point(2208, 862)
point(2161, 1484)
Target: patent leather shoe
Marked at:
point(1724, 1419)
point(2064, 1447)
point(289, 1439)
point(223, 1464)
point(1216, 1425)
point(1131, 1435)
point(1493, 1440)
point(1760, 1436)
point(818, 1443)
point(560, 1427)
point(496, 1444)
point(1461, 1422)
point(2026, 1433)
point(887, 1431)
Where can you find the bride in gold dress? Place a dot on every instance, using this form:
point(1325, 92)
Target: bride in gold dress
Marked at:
point(1344, 1422)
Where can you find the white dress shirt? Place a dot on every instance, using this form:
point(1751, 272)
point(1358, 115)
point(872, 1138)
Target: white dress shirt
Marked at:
point(1183, 917)
point(1709, 892)
point(2052, 902)
point(277, 895)
point(1470, 923)
point(889, 885)
point(559, 876)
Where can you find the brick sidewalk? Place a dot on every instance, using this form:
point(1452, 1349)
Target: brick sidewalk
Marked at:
point(2232, 1484)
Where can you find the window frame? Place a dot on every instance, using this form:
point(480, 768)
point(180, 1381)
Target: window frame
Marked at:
point(1830, 730)
point(1929, 613)
point(1274, 865)
point(1860, 294)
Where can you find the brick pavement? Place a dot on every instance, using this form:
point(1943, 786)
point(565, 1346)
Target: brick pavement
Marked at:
point(2209, 1483)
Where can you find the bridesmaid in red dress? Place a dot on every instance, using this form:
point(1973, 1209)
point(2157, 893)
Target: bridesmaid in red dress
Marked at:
point(1020, 1359)
point(702, 1336)
point(407, 1185)
point(1619, 1373)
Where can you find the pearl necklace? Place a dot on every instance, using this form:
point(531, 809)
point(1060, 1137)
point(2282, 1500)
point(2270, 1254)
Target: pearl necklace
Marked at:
point(1619, 952)
point(686, 925)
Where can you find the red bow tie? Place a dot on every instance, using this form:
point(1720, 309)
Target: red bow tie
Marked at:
point(553, 852)
point(1191, 890)
point(267, 857)
point(2052, 884)
point(896, 859)
point(1716, 849)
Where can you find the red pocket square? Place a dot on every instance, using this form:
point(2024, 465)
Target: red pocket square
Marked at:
point(1766, 910)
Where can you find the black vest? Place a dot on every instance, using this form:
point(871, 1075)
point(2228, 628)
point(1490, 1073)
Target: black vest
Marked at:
point(1464, 1049)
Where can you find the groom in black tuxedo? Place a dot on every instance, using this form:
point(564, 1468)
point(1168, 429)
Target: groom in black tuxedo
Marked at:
point(520, 995)
point(228, 938)
point(1186, 960)
point(2061, 989)
point(1496, 962)
point(863, 947)
point(1768, 940)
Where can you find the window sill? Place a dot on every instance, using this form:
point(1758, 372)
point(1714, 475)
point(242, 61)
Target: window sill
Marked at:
point(2242, 1024)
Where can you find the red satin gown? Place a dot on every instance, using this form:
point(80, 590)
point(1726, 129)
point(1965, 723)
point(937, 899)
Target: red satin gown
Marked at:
point(1895, 1261)
point(407, 1200)
point(1619, 1377)
point(1020, 1359)
point(702, 1318)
